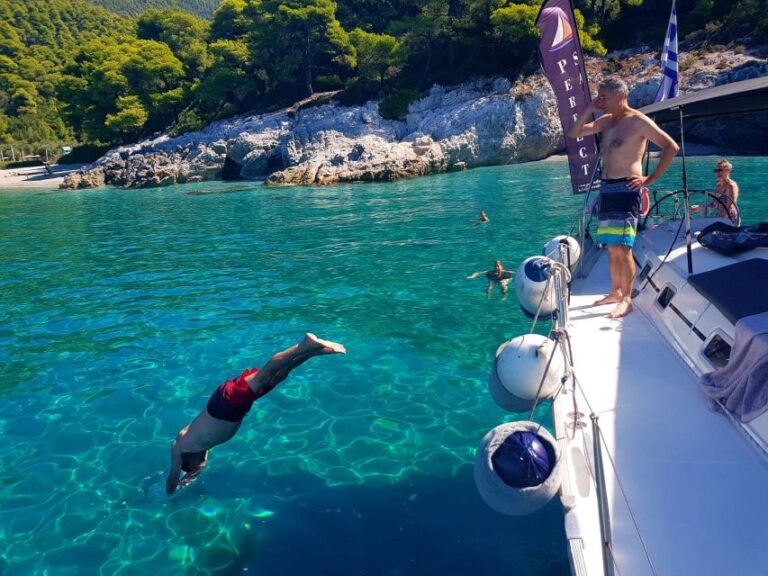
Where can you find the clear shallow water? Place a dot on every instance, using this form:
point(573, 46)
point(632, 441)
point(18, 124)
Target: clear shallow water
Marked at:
point(120, 311)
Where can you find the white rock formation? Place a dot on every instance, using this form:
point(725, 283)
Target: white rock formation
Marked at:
point(480, 123)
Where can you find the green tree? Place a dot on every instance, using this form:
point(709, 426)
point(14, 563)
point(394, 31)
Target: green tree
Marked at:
point(156, 76)
point(517, 23)
point(182, 32)
point(20, 95)
point(5, 136)
point(422, 37)
point(11, 45)
point(306, 36)
point(130, 117)
point(747, 17)
point(37, 41)
point(200, 8)
point(91, 86)
point(107, 80)
point(377, 54)
point(602, 12)
point(588, 34)
point(374, 15)
point(229, 21)
point(232, 84)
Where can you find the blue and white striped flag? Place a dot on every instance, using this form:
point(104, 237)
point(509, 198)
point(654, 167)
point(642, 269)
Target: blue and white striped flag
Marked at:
point(669, 82)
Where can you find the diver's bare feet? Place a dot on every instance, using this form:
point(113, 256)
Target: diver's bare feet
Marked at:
point(312, 343)
point(609, 299)
point(622, 309)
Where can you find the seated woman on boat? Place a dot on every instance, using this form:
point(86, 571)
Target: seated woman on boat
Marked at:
point(496, 276)
point(726, 190)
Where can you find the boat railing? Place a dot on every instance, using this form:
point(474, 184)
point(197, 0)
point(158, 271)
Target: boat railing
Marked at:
point(602, 498)
point(705, 203)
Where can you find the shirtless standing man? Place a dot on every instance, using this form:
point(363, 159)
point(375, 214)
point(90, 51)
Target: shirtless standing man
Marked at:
point(229, 404)
point(624, 134)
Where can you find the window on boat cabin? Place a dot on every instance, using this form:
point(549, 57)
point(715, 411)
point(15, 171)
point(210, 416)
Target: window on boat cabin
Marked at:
point(645, 271)
point(665, 297)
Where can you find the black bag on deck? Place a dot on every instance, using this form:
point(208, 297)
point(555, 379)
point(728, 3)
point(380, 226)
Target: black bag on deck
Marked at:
point(727, 239)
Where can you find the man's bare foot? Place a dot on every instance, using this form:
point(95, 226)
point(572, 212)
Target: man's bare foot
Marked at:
point(610, 299)
point(312, 343)
point(622, 309)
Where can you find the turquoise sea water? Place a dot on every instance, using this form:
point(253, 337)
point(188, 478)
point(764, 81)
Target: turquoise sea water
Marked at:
point(121, 311)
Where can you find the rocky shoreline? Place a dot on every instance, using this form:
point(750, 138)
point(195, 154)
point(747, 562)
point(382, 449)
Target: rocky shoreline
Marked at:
point(481, 123)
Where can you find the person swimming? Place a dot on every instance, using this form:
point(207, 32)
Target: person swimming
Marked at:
point(496, 276)
point(482, 219)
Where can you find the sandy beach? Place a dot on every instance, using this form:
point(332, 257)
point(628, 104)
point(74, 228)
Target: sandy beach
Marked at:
point(35, 176)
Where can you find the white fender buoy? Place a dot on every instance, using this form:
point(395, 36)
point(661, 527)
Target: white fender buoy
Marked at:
point(517, 468)
point(530, 284)
point(552, 250)
point(518, 370)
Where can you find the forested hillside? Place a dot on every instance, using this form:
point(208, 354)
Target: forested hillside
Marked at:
point(37, 39)
point(71, 71)
point(201, 8)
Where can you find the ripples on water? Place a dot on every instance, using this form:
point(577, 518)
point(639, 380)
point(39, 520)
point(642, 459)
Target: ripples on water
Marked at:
point(120, 311)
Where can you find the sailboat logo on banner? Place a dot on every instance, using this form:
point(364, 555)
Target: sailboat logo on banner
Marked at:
point(564, 34)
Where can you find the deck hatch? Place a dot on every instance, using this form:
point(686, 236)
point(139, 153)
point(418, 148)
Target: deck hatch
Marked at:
point(717, 351)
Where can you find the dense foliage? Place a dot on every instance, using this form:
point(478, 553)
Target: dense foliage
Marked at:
point(71, 71)
point(201, 8)
point(36, 38)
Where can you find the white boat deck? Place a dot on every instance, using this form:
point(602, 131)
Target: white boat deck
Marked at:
point(695, 485)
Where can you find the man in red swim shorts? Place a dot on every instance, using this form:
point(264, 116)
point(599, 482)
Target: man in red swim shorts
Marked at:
point(229, 404)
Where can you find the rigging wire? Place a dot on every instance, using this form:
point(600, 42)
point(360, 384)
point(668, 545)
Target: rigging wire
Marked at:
point(554, 265)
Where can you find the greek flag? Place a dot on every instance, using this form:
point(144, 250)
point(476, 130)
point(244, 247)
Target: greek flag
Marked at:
point(668, 88)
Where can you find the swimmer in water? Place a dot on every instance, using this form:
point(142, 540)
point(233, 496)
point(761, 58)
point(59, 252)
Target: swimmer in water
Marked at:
point(482, 220)
point(496, 276)
point(228, 405)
